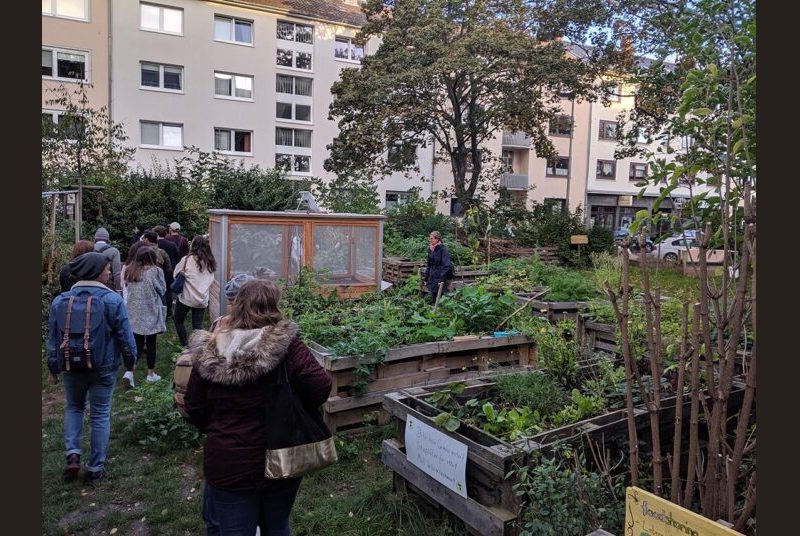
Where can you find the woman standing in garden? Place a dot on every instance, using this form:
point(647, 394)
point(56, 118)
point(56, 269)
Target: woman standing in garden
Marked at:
point(439, 268)
point(144, 282)
point(230, 381)
point(198, 270)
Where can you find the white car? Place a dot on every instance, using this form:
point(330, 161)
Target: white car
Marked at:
point(668, 248)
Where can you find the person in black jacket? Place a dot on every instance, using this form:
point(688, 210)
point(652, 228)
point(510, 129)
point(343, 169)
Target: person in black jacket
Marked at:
point(439, 268)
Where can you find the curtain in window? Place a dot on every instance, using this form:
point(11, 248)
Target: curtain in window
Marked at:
point(222, 84)
point(283, 136)
point(302, 86)
point(283, 84)
point(150, 17)
point(243, 32)
point(173, 135)
point(302, 112)
point(173, 20)
point(222, 139)
point(150, 133)
point(305, 34)
point(70, 8)
point(302, 138)
point(47, 63)
point(150, 75)
point(222, 28)
point(283, 110)
point(244, 87)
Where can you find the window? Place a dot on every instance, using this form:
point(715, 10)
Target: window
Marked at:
point(614, 92)
point(161, 135)
point(394, 199)
point(606, 169)
point(233, 30)
point(162, 19)
point(608, 130)
point(165, 77)
point(70, 9)
point(345, 49)
point(299, 33)
point(561, 126)
point(558, 167)
point(233, 86)
point(507, 161)
point(57, 124)
point(293, 85)
point(233, 141)
point(555, 204)
point(642, 136)
point(292, 137)
point(457, 208)
point(294, 59)
point(401, 154)
point(293, 163)
point(292, 111)
point(638, 171)
point(65, 64)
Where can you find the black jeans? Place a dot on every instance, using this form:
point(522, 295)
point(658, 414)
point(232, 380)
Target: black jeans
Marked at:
point(147, 343)
point(238, 513)
point(181, 311)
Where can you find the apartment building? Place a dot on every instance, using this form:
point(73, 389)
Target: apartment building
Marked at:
point(75, 51)
point(249, 79)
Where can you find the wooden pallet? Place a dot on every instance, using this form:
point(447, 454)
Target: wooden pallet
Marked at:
point(464, 275)
point(398, 269)
point(596, 336)
point(413, 365)
point(553, 311)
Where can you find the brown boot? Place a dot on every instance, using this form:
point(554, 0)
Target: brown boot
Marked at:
point(73, 467)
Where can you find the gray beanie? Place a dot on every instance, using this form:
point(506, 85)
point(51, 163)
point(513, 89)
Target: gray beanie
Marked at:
point(101, 234)
point(89, 266)
point(232, 286)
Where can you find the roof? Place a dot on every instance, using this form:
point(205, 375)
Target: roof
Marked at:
point(296, 214)
point(336, 11)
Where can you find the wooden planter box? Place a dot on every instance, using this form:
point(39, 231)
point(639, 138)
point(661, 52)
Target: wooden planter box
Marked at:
point(397, 270)
point(464, 275)
point(414, 365)
point(596, 336)
point(553, 311)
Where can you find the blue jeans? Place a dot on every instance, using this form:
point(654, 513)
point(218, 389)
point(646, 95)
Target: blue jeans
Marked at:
point(99, 386)
point(238, 513)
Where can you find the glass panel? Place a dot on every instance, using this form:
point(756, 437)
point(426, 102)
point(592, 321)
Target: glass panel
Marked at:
point(283, 83)
point(284, 58)
point(286, 31)
point(222, 139)
point(341, 48)
point(283, 110)
point(562, 168)
point(332, 253)
point(357, 52)
point(150, 75)
point(222, 28)
point(150, 16)
point(241, 141)
point(302, 112)
point(48, 124)
point(172, 77)
point(283, 136)
point(222, 84)
point(70, 8)
point(47, 7)
point(365, 254)
point(47, 62)
point(173, 20)
point(283, 161)
point(215, 241)
point(71, 66)
point(244, 87)
point(262, 250)
point(302, 163)
point(173, 135)
point(303, 60)
point(302, 138)
point(302, 86)
point(150, 133)
point(305, 34)
point(71, 127)
point(243, 32)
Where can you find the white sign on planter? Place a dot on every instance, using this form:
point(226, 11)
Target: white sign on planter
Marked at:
point(438, 454)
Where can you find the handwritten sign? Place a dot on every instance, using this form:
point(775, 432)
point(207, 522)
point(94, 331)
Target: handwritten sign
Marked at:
point(579, 239)
point(438, 454)
point(650, 515)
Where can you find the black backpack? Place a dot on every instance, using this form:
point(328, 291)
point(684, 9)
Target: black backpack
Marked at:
point(81, 324)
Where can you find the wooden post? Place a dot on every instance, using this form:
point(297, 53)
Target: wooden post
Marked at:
point(79, 210)
point(52, 261)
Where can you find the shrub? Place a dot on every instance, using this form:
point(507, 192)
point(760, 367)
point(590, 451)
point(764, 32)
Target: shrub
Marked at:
point(534, 390)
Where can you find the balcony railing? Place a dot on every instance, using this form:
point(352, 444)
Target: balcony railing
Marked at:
point(514, 181)
point(516, 139)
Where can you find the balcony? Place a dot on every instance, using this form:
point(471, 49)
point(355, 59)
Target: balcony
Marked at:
point(514, 181)
point(518, 140)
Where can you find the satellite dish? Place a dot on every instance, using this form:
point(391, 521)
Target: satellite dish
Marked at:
point(308, 198)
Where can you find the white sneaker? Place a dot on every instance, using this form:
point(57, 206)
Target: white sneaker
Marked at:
point(153, 377)
point(127, 380)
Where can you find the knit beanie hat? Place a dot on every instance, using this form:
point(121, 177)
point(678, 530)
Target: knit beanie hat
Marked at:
point(89, 266)
point(101, 234)
point(232, 286)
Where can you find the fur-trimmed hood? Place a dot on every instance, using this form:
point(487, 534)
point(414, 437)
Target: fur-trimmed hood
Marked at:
point(240, 356)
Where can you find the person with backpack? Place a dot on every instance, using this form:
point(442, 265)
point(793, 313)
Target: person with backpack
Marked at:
point(438, 269)
point(65, 279)
point(198, 273)
point(102, 244)
point(88, 336)
point(237, 369)
point(145, 286)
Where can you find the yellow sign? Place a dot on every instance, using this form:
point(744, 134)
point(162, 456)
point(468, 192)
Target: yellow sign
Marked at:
point(650, 515)
point(579, 239)
point(625, 201)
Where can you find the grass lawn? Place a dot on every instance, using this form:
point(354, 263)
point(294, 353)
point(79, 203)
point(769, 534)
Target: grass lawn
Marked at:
point(156, 491)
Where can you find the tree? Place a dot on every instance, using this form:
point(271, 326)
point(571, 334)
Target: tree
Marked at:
point(455, 74)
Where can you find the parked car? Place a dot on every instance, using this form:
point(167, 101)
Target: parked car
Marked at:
point(669, 247)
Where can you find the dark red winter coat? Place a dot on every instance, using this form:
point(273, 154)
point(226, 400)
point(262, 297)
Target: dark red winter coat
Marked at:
point(225, 395)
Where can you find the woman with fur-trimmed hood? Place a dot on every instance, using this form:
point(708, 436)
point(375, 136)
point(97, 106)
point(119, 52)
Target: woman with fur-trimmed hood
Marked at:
point(225, 398)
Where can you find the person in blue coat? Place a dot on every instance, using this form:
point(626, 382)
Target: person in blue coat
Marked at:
point(113, 343)
point(439, 269)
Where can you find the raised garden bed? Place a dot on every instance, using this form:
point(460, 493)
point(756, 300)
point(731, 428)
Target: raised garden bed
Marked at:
point(596, 336)
point(464, 275)
point(552, 310)
point(360, 382)
point(397, 270)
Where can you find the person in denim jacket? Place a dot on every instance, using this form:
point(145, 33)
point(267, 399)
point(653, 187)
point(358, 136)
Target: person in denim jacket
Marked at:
point(97, 384)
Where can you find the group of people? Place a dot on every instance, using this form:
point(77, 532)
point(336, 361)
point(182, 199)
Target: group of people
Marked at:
point(119, 309)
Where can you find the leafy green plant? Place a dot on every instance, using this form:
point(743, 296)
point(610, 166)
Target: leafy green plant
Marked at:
point(582, 407)
point(476, 310)
point(535, 390)
point(570, 286)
